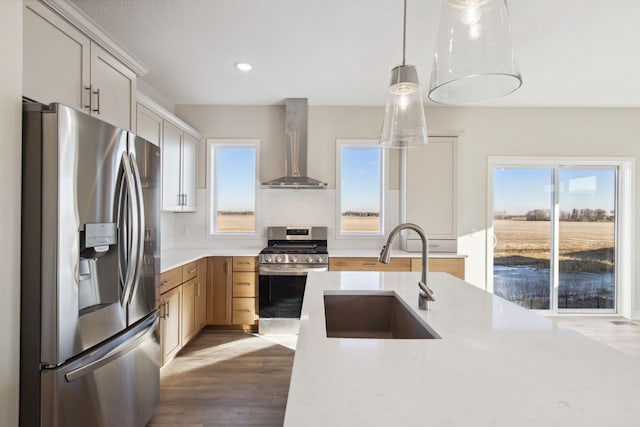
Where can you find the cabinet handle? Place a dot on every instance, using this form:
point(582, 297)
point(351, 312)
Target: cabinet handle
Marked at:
point(193, 270)
point(369, 264)
point(90, 89)
point(164, 282)
point(185, 200)
point(167, 311)
point(243, 284)
point(162, 310)
point(97, 94)
point(244, 310)
point(244, 262)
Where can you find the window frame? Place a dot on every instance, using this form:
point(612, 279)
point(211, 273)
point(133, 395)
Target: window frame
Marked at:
point(213, 144)
point(624, 274)
point(361, 143)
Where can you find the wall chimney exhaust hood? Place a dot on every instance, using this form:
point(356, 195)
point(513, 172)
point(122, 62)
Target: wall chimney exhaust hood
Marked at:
point(296, 150)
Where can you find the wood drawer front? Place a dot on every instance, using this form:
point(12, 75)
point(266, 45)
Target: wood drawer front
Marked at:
point(170, 279)
point(453, 266)
point(244, 284)
point(244, 311)
point(245, 263)
point(369, 264)
point(189, 271)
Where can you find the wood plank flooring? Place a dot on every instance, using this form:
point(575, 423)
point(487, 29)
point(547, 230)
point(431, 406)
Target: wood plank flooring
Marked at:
point(617, 332)
point(225, 379)
point(240, 379)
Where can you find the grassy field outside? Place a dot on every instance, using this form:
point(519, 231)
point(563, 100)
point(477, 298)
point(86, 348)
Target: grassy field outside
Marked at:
point(360, 224)
point(586, 263)
point(236, 222)
point(589, 244)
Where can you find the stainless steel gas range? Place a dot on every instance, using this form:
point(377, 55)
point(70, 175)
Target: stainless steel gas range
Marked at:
point(291, 253)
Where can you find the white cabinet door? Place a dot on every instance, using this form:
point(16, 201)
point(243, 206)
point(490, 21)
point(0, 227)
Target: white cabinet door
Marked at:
point(56, 58)
point(148, 125)
point(431, 194)
point(189, 166)
point(113, 88)
point(171, 168)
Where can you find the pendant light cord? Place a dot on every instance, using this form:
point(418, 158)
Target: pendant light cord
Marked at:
point(404, 32)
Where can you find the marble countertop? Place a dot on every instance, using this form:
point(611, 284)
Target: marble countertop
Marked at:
point(497, 364)
point(172, 258)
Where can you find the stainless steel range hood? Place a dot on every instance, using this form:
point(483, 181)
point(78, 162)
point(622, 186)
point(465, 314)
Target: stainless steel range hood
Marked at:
point(296, 150)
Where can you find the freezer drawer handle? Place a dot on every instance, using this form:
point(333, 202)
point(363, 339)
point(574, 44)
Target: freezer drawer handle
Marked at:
point(116, 353)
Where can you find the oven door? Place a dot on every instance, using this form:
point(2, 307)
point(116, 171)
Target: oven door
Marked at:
point(281, 290)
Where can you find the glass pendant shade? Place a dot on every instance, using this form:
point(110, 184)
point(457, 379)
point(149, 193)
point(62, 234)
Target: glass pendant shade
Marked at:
point(474, 59)
point(404, 124)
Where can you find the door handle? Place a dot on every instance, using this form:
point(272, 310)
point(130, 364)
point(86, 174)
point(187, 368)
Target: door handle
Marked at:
point(90, 90)
point(97, 94)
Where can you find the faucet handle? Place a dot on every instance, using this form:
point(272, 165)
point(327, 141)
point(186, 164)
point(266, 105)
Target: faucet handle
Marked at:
point(428, 292)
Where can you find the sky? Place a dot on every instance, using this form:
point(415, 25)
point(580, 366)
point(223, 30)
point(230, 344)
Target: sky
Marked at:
point(360, 175)
point(236, 178)
point(519, 190)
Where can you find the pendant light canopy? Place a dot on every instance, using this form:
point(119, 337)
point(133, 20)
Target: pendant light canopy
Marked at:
point(474, 59)
point(404, 123)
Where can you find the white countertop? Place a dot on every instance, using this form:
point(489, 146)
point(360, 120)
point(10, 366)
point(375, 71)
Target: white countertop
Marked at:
point(172, 258)
point(497, 364)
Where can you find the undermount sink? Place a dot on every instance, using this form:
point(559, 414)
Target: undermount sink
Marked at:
point(372, 315)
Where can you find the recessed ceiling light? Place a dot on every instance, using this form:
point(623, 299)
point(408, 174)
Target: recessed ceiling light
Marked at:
point(243, 66)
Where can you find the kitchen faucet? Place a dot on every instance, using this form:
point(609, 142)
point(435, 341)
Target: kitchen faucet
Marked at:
point(425, 296)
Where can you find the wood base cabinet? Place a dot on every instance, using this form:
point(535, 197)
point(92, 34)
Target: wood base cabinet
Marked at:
point(453, 266)
point(232, 290)
point(219, 290)
point(182, 306)
point(368, 264)
point(170, 322)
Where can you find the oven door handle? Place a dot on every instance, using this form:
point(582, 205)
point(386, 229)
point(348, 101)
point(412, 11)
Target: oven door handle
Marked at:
point(280, 271)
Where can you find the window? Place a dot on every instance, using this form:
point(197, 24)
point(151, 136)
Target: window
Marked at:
point(232, 186)
point(361, 187)
point(555, 233)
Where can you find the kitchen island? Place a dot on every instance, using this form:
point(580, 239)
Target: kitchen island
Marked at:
point(496, 364)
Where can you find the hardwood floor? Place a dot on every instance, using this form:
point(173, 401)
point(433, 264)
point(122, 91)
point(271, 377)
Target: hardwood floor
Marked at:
point(225, 379)
point(619, 333)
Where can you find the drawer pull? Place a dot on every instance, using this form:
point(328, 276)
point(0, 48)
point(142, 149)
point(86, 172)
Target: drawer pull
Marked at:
point(164, 282)
point(244, 284)
point(193, 271)
point(369, 264)
point(244, 310)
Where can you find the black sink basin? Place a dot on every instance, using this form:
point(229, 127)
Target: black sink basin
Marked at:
point(379, 315)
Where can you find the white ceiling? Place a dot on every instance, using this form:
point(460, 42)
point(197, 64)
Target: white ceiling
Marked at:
point(340, 52)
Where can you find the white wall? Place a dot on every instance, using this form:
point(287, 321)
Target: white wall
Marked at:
point(10, 171)
point(277, 206)
point(482, 132)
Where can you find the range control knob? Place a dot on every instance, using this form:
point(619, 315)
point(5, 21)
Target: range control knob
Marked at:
point(268, 258)
point(309, 258)
point(293, 258)
point(319, 258)
point(279, 258)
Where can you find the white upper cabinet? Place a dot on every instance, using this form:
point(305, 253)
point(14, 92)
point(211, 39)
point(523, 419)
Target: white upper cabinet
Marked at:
point(189, 169)
point(62, 64)
point(56, 58)
point(113, 88)
point(148, 125)
point(179, 148)
point(172, 199)
point(431, 189)
point(179, 151)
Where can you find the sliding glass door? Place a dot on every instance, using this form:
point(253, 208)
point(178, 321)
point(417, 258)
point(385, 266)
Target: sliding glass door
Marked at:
point(554, 231)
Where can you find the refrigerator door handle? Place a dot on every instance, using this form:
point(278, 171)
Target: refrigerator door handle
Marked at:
point(139, 217)
point(116, 353)
point(132, 243)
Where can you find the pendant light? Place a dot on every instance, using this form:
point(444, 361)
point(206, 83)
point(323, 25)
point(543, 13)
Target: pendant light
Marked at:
point(474, 59)
point(404, 123)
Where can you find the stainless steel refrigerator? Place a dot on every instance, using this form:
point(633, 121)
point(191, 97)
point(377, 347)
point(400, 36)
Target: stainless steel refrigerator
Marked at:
point(90, 352)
